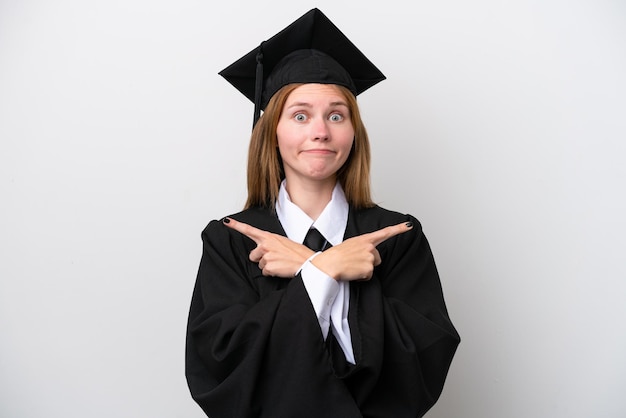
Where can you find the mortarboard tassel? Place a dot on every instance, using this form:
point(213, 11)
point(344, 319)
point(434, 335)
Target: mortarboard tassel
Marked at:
point(258, 86)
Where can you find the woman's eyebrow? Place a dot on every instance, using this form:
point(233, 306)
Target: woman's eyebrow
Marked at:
point(299, 104)
point(307, 104)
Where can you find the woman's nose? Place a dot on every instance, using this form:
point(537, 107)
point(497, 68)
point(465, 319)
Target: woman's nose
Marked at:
point(320, 131)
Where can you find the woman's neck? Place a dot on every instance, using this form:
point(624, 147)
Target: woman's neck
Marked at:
point(311, 196)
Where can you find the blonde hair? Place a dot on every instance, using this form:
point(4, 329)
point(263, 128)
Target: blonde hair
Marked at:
point(265, 167)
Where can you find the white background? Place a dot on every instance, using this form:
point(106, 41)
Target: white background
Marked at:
point(502, 127)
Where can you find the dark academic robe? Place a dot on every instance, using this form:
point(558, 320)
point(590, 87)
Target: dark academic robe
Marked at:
point(255, 348)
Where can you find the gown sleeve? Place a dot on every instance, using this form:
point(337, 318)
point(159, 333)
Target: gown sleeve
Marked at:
point(254, 346)
point(403, 338)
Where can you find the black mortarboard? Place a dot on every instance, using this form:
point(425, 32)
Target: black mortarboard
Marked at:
point(310, 50)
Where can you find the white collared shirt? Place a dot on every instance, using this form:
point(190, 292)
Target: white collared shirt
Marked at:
point(330, 298)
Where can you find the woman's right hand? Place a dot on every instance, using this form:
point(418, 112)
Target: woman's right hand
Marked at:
point(356, 257)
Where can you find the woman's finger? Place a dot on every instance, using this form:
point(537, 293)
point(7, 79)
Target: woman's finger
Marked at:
point(255, 234)
point(377, 259)
point(384, 234)
point(256, 255)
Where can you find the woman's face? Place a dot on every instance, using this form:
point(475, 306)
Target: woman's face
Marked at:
point(314, 133)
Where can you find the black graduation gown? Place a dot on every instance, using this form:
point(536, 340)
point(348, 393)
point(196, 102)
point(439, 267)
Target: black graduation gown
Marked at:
point(255, 348)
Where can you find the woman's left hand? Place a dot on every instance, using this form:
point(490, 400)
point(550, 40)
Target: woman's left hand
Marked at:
point(277, 255)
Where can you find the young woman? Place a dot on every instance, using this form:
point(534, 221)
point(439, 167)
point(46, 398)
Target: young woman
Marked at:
point(354, 326)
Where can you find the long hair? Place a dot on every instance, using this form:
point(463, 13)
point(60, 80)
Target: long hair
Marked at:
point(265, 167)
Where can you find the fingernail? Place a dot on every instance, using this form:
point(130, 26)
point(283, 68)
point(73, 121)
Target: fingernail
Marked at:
point(226, 220)
point(409, 224)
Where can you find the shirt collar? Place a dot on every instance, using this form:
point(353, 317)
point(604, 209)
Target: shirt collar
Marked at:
point(331, 222)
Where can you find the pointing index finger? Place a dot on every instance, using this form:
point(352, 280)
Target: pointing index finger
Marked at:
point(391, 231)
point(251, 232)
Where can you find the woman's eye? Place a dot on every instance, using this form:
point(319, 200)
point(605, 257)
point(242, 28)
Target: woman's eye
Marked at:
point(300, 117)
point(336, 117)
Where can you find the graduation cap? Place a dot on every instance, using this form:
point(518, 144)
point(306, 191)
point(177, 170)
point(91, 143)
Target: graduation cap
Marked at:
point(310, 50)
